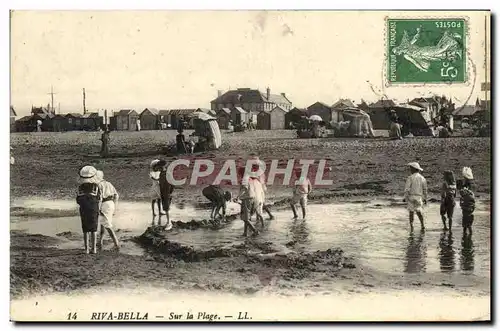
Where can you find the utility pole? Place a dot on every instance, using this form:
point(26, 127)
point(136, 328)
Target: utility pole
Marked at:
point(84, 109)
point(52, 98)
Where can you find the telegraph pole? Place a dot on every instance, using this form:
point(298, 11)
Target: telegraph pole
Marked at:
point(84, 109)
point(52, 98)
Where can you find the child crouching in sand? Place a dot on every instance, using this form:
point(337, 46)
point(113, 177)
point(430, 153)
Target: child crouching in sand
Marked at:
point(448, 194)
point(300, 193)
point(416, 194)
point(89, 199)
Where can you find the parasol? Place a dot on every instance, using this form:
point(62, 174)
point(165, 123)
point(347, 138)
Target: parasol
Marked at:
point(315, 118)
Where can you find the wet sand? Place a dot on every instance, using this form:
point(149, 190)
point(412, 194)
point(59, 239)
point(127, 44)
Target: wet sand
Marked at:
point(48, 258)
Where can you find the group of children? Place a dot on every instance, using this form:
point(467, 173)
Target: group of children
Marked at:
point(416, 197)
point(97, 199)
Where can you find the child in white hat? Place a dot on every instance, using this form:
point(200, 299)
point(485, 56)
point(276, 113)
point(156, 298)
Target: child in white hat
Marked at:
point(416, 193)
point(467, 200)
point(89, 199)
point(108, 206)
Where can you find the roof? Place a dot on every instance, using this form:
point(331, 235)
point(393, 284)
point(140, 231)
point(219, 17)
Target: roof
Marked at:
point(301, 110)
point(76, 115)
point(25, 118)
point(125, 112)
point(240, 110)
point(44, 116)
point(410, 106)
point(12, 111)
point(248, 95)
point(90, 115)
point(320, 103)
point(467, 110)
point(383, 104)
point(226, 110)
point(207, 111)
point(424, 100)
point(278, 108)
point(153, 111)
point(181, 112)
point(343, 103)
point(163, 112)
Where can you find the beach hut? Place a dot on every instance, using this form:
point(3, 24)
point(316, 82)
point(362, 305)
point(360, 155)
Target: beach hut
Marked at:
point(126, 120)
point(58, 123)
point(92, 122)
point(223, 118)
point(272, 120)
point(150, 119)
point(239, 116)
point(74, 121)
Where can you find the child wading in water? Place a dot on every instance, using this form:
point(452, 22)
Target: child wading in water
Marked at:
point(300, 193)
point(467, 200)
point(448, 194)
point(108, 207)
point(416, 194)
point(89, 199)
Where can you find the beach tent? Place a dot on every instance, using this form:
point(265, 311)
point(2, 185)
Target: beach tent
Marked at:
point(360, 124)
point(206, 126)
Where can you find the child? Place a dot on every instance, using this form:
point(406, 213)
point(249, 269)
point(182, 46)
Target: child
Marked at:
point(300, 192)
point(416, 193)
point(108, 206)
point(219, 199)
point(448, 194)
point(250, 200)
point(154, 175)
point(262, 179)
point(467, 200)
point(89, 199)
point(181, 141)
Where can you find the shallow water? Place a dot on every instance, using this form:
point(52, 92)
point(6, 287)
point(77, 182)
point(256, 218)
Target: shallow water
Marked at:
point(377, 233)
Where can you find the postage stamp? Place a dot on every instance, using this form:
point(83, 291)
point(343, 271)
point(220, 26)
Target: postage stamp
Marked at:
point(232, 166)
point(427, 50)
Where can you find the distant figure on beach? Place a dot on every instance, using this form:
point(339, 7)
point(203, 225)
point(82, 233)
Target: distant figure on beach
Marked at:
point(301, 191)
point(467, 200)
point(154, 175)
point(180, 141)
point(416, 194)
point(219, 198)
point(108, 208)
point(395, 126)
point(448, 194)
point(89, 199)
point(105, 143)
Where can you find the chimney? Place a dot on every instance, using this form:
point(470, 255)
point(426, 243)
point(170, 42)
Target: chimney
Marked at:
point(219, 93)
point(268, 94)
point(283, 94)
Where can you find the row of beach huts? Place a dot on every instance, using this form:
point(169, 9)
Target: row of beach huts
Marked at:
point(245, 106)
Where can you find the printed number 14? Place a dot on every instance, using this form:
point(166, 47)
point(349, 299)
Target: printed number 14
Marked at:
point(449, 72)
point(72, 316)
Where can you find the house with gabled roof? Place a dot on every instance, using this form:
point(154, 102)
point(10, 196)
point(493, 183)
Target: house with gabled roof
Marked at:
point(326, 112)
point(125, 120)
point(251, 100)
point(150, 119)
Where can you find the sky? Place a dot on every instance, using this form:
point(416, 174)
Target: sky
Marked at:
point(180, 59)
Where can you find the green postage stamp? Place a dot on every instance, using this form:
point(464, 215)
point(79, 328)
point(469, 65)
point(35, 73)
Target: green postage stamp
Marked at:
point(423, 51)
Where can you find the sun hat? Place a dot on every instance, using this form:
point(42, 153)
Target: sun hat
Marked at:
point(87, 175)
point(415, 165)
point(467, 173)
point(154, 162)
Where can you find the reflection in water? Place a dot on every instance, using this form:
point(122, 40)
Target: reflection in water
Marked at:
point(446, 253)
point(467, 253)
point(300, 232)
point(415, 253)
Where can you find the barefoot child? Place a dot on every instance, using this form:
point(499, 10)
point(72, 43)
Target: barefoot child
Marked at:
point(89, 199)
point(448, 194)
point(467, 200)
point(154, 175)
point(416, 193)
point(108, 207)
point(300, 193)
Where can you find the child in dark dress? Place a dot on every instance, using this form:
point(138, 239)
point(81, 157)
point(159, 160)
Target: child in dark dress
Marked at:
point(448, 194)
point(467, 200)
point(89, 199)
point(180, 140)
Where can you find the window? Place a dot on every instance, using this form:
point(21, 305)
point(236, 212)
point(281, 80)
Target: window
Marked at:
point(70, 120)
point(77, 121)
